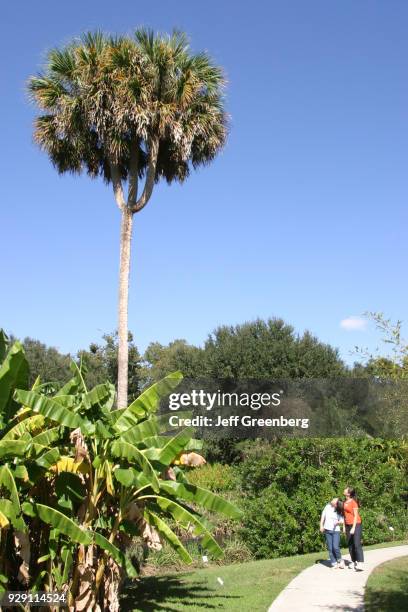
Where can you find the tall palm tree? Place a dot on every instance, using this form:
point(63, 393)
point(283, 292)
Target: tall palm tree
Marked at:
point(129, 109)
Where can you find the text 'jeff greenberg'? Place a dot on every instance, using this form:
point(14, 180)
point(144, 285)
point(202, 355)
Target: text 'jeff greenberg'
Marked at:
point(219, 400)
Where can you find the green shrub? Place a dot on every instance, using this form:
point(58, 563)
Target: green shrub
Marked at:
point(288, 485)
point(270, 529)
point(216, 477)
point(376, 525)
point(223, 450)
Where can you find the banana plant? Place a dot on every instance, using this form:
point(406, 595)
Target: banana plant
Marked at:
point(14, 440)
point(90, 478)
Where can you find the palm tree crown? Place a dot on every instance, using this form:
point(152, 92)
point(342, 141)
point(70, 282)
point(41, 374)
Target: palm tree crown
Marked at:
point(110, 104)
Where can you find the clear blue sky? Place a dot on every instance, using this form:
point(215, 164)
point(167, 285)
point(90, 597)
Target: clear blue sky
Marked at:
point(302, 216)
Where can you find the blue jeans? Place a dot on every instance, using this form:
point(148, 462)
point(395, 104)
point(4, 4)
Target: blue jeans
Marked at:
point(333, 545)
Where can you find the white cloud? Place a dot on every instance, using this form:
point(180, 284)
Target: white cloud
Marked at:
point(353, 324)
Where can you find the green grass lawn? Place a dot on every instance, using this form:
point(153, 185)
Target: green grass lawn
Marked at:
point(387, 587)
point(247, 586)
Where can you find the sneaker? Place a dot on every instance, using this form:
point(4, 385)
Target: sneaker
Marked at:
point(359, 567)
point(340, 564)
point(351, 565)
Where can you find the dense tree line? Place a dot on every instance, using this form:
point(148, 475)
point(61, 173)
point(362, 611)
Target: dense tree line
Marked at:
point(269, 349)
point(99, 363)
point(257, 349)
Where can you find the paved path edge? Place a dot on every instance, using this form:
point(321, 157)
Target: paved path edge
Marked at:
point(319, 588)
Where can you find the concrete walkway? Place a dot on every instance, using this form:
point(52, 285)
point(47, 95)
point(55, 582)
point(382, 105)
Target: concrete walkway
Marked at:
point(320, 588)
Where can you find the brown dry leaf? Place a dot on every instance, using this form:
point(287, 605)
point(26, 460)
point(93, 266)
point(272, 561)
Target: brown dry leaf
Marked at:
point(192, 459)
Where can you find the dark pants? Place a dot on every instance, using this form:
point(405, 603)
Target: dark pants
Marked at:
point(333, 545)
point(354, 543)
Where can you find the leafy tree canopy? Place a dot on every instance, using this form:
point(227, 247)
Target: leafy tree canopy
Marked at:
point(178, 354)
point(99, 363)
point(47, 362)
point(258, 349)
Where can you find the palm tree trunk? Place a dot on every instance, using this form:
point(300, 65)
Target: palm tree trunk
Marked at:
point(125, 246)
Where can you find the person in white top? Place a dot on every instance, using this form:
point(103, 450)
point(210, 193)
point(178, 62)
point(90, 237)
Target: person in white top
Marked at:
point(330, 522)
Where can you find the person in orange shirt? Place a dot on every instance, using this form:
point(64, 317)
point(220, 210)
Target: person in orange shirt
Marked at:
point(353, 528)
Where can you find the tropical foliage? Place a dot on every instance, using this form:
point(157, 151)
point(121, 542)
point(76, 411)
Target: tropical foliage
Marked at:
point(79, 480)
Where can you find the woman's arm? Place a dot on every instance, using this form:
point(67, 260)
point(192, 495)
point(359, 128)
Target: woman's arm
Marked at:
point(322, 520)
point(355, 512)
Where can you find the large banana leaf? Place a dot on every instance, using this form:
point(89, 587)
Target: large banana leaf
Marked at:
point(115, 553)
point(50, 409)
point(160, 441)
point(36, 384)
point(103, 432)
point(125, 450)
point(4, 522)
point(76, 384)
point(129, 477)
point(68, 401)
point(183, 516)
point(28, 424)
point(13, 448)
point(3, 344)
point(70, 388)
point(77, 372)
point(155, 442)
point(13, 373)
point(7, 481)
point(8, 509)
point(200, 496)
point(147, 402)
point(99, 395)
point(21, 472)
point(139, 432)
point(174, 446)
point(58, 521)
point(46, 438)
point(49, 458)
point(117, 413)
point(67, 559)
point(167, 534)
